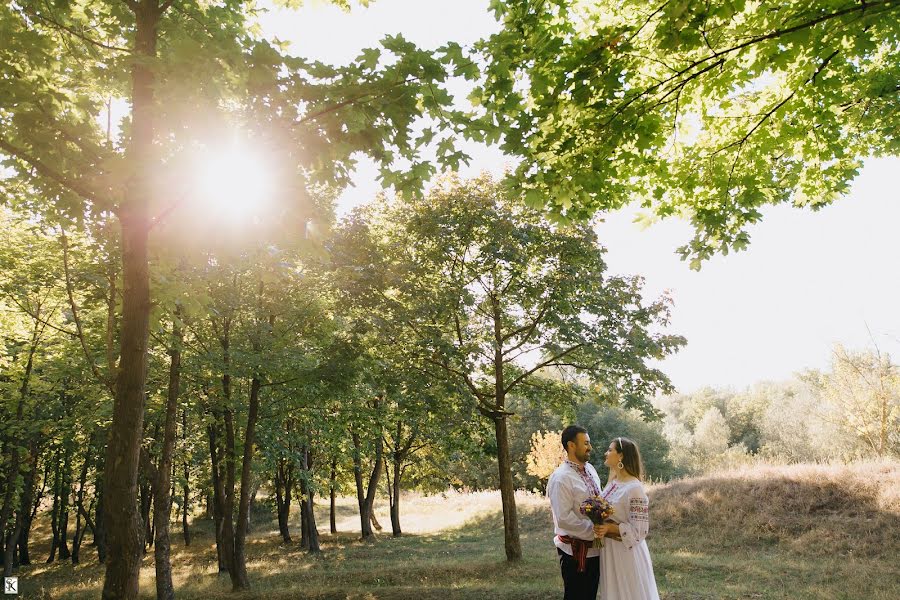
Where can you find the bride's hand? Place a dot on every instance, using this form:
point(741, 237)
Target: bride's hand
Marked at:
point(606, 529)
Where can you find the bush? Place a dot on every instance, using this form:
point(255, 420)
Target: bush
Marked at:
point(531, 415)
point(546, 454)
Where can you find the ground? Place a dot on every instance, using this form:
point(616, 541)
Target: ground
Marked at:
point(801, 532)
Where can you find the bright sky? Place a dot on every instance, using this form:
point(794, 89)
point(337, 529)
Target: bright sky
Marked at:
point(808, 281)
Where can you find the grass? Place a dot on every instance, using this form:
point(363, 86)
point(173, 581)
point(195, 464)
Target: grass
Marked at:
point(804, 532)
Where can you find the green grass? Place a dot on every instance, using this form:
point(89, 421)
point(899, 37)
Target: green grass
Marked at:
point(776, 533)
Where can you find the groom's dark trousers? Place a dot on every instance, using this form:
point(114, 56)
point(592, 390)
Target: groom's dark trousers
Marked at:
point(579, 586)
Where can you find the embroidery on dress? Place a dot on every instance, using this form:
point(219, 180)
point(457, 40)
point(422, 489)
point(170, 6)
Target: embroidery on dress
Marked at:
point(639, 509)
point(609, 491)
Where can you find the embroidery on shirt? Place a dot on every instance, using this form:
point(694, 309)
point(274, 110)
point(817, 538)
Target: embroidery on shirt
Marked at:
point(586, 477)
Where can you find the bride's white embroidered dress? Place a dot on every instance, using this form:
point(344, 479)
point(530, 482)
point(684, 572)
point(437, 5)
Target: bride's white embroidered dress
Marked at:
point(626, 571)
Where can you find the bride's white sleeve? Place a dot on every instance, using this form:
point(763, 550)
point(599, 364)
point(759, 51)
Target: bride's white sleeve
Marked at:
point(637, 525)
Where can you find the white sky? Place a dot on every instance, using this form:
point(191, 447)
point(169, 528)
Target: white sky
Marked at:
point(808, 281)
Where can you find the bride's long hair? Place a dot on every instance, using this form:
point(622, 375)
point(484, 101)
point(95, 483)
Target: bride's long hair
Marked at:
point(632, 462)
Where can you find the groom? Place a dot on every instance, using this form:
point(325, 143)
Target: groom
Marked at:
point(573, 482)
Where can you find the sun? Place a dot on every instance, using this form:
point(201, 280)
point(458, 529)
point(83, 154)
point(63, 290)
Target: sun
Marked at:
point(236, 182)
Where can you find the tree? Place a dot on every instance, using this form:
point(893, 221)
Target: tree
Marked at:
point(863, 394)
point(709, 110)
point(482, 281)
point(711, 435)
point(792, 428)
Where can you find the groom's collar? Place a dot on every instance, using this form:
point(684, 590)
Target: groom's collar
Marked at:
point(577, 466)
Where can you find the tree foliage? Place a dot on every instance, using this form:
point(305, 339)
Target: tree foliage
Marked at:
point(710, 110)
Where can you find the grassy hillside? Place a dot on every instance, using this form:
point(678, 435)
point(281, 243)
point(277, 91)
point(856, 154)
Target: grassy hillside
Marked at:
point(765, 533)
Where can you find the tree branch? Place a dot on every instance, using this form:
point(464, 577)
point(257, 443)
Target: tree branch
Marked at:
point(539, 366)
point(754, 40)
point(525, 328)
point(82, 189)
point(38, 318)
point(336, 107)
point(59, 26)
point(74, 307)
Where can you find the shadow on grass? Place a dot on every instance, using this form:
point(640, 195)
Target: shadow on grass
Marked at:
point(465, 562)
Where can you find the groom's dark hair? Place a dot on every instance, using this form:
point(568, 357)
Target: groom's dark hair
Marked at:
point(570, 433)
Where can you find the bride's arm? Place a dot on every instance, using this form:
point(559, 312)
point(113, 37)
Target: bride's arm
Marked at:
point(637, 524)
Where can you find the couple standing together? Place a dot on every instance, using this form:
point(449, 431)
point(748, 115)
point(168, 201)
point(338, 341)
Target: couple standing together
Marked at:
point(621, 569)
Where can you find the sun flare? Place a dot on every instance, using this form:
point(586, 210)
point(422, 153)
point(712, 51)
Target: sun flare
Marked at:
point(235, 182)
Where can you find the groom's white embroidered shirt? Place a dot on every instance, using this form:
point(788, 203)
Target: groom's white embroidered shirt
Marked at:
point(567, 489)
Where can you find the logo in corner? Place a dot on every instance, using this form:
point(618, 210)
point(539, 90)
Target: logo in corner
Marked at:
point(10, 585)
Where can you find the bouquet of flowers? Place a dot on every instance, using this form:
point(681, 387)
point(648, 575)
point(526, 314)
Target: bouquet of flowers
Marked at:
point(598, 510)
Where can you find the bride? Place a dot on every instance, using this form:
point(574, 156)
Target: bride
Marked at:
point(626, 570)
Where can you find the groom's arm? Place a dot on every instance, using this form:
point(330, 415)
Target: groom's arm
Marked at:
point(568, 510)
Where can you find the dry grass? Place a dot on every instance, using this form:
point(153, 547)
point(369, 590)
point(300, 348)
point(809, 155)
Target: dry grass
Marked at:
point(804, 531)
point(802, 508)
point(767, 532)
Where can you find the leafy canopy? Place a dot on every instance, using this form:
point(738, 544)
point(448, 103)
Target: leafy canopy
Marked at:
point(710, 110)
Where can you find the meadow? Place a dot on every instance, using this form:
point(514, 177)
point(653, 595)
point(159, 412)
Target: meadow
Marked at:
point(760, 532)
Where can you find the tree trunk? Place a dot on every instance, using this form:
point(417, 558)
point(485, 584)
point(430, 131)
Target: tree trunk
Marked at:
point(395, 499)
point(100, 521)
point(186, 501)
point(146, 497)
point(374, 520)
point(18, 539)
point(332, 517)
point(504, 464)
point(54, 512)
point(400, 452)
point(312, 531)
point(27, 506)
point(373, 482)
point(239, 580)
point(79, 502)
point(185, 507)
point(365, 521)
point(230, 455)
point(163, 504)
point(304, 520)
point(64, 493)
point(9, 559)
point(284, 483)
point(124, 445)
point(6, 511)
point(218, 497)
point(507, 492)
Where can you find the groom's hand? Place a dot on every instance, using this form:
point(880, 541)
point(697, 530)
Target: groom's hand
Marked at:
point(600, 530)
